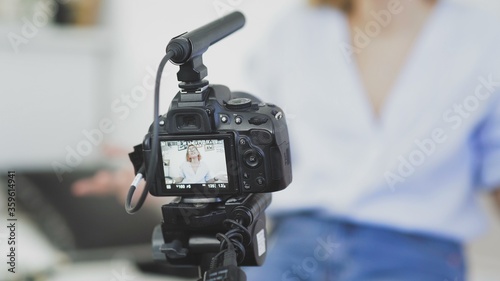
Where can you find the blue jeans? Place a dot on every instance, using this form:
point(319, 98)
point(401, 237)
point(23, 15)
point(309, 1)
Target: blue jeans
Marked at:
point(310, 247)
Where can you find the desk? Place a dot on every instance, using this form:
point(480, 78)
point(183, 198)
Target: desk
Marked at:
point(116, 270)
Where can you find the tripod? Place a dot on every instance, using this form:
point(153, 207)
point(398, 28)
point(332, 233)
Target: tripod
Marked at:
point(214, 234)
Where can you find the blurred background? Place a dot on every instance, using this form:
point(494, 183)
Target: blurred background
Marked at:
point(77, 76)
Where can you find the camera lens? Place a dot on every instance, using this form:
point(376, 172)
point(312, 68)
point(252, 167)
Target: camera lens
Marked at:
point(252, 158)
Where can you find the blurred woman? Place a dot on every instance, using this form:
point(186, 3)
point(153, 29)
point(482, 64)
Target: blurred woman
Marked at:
point(404, 98)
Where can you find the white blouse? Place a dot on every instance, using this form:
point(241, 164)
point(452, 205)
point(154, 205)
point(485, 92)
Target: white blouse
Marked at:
point(418, 166)
point(202, 174)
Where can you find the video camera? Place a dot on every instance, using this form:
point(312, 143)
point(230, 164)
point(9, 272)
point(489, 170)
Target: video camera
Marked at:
point(222, 152)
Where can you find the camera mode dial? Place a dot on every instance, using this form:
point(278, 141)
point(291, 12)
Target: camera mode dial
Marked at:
point(239, 103)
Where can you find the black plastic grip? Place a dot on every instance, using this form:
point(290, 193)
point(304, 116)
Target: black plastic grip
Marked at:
point(194, 43)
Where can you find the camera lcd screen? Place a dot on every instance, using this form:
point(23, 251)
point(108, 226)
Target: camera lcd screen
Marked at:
point(197, 166)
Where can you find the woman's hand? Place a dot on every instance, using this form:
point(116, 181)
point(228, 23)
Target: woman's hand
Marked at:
point(115, 183)
point(106, 183)
point(222, 177)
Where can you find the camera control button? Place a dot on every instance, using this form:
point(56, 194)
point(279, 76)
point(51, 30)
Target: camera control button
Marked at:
point(260, 181)
point(251, 158)
point(243, 141)
point(238, 120)
point(258, 120)
point(224, 118)
point(277, 114)
point(246, 185)
point(246, 176)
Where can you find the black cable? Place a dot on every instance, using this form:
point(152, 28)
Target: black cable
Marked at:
point(234, 240)
point(130, 194)
point(155, 143)
point(215, 260)
point(235, 225)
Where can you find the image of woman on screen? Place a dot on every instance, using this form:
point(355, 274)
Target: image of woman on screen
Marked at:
point(194, 170)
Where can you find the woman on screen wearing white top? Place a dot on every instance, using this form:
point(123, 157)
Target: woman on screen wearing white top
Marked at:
point(194, 170)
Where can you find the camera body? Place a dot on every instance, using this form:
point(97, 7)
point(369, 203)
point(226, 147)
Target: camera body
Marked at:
point(245, 140)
